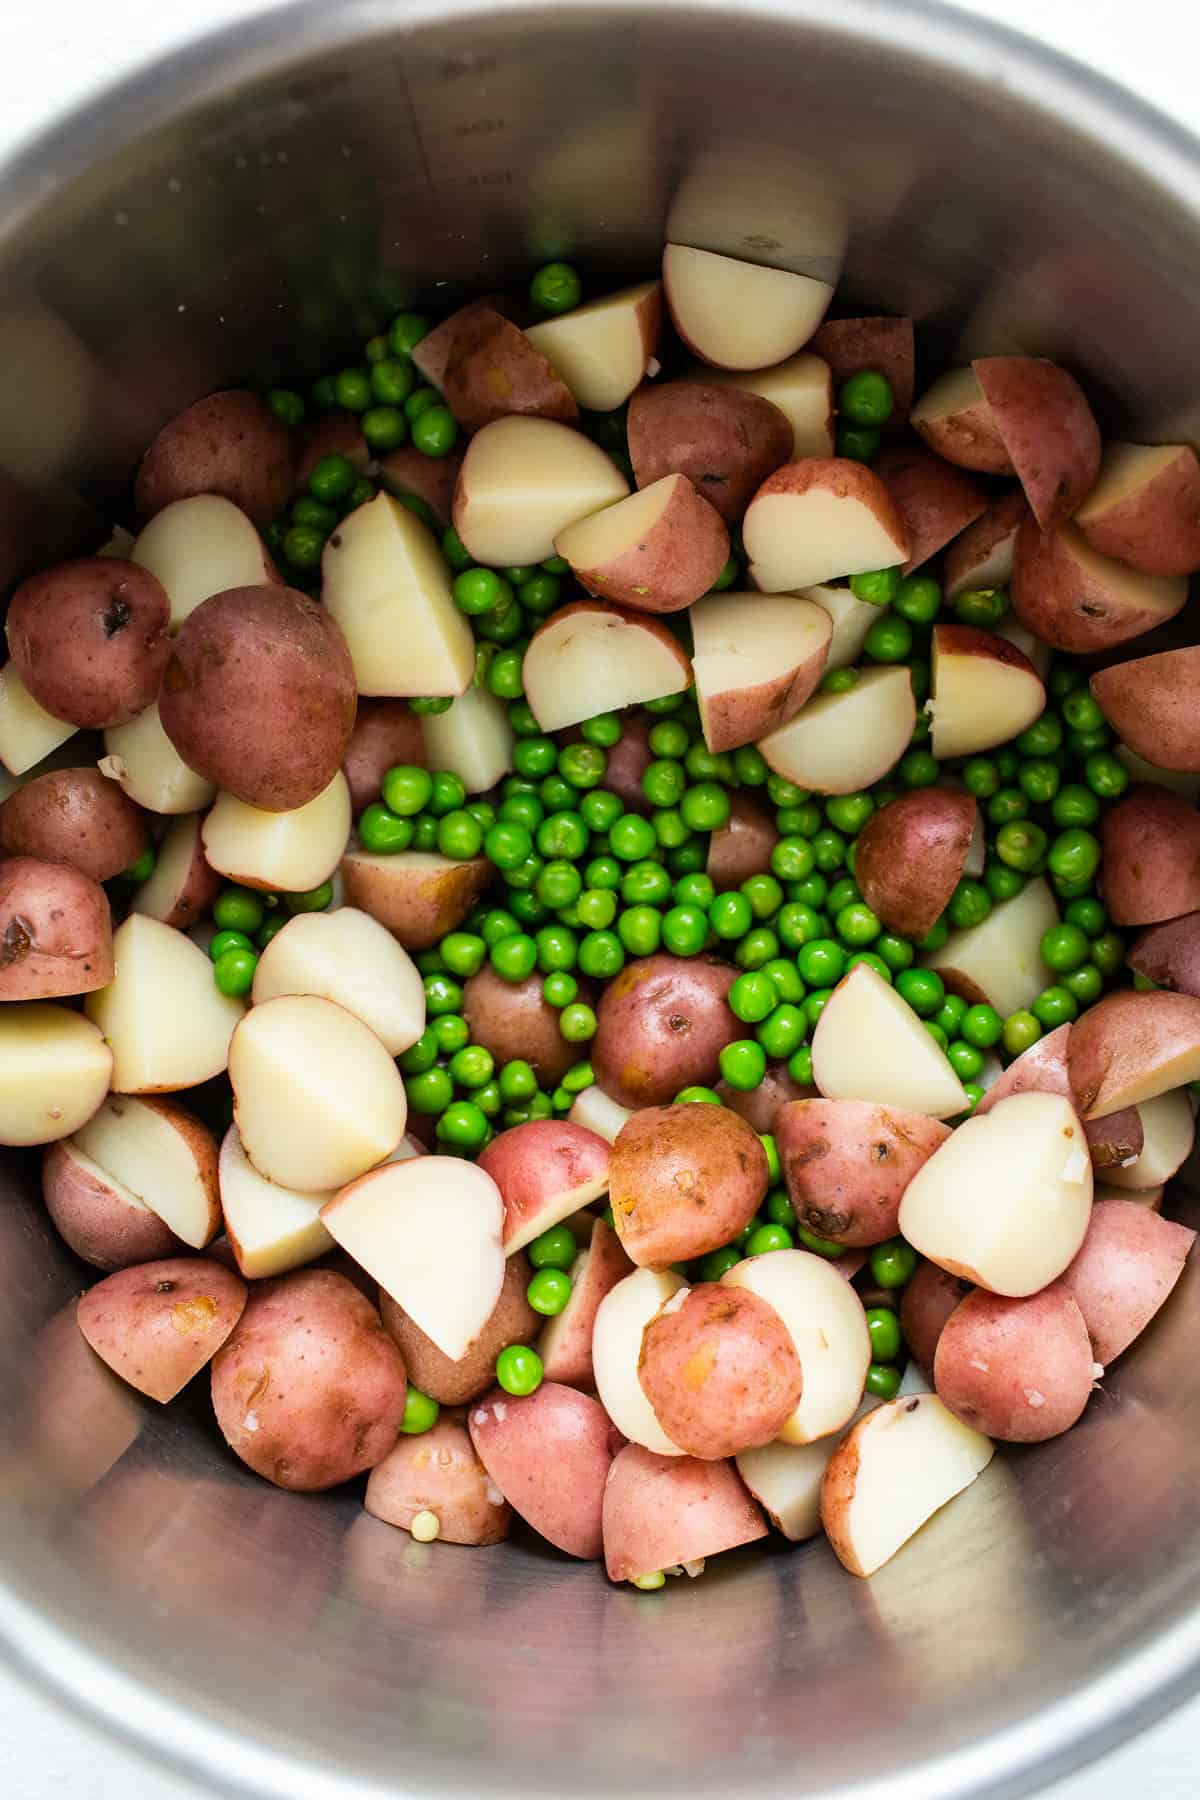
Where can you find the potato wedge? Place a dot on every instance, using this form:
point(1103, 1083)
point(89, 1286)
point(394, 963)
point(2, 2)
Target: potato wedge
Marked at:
point(1169, 954)
point(738, 315)
point(1150, 856)
point(682, 1182)
point(164, 1156)
point(656, 551)
point(588, 658)
point(720, 1371)
point(289, 852)
point(825, 1319)
point(229, 444)
point(522, 482)
point(348, 957)
point(935, 500)
point(183, 885)
point(742, 846)
point(621, 1319)
point(74, 816)
point(1153, 703)
point(982, 555)
point(1046, 425)
point(438, 1472)
point(672, 1513)
point(1130, 1048)
point(103, 1222)
point(847, 1164)
point(54, 1071)
point(956, 421)
point(271, 1229)
point(163, 1016)
point(818, 520)
point(1022, 1368)
point(200, 546)
point(158, 1325)
point(453, 1381)
point(725, 440)
point(839, 743)
point(756, 658)
point(565, 1341)
point(385, 733)
point(28, 733)
point(852, 619)
point(473, 740)
point(882, 344)
point(549, 1454)
point(1075, 599)
point(984, 691)
point(911, 855)
point(1145, 508)
point(493, 370)
point(418, 894)
point(1125, 1271)
point(1000, 961)
point(143, 761)
point(55, 931)
point(870, 1045)
point(801, 388)
point(545, 1169)
point(601, 349)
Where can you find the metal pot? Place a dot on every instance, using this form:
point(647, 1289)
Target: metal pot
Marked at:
point(250, 209)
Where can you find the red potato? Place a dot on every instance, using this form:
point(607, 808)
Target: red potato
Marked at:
point(742, 846)
point(523, 481)
point(158, 1325)
point(332, 434)
point(935, 500)
point(738, 315)
point(839, 743)
point(656, 552)
point(163, 1016)
point(200, 546)
point(565, 1342)
point(419, 895)
point(55, 931)
point(511, 1019)
point(74, 816)
point(1150, 856)
point(1153, 704)
point(1169, 954)
point(89, 640)
point(385, 734)
point(429, 355)
point(684, 1180)
point(720, 1370)
point(956, 421)
point(601, 350)
point(230, 443)
point(801, 388)
point(756, 658)
point(818, 520)
point(760, 1105)
point(309, 1391)
point(588, 658)
point(259, 696)
point(1074, 599)
point(1020, 1370)
point(182, 886)
point(452, 1381)
point(346, 956)
point(884, 345)
point(870, 1045)
point(723, 439)
point(911, 855)
point(162, 1155)
point(492, 370)
point(549, 1454)
point(985, 691)
point(925, 1305)
point(1132, 1047)
point(438, 1472)
point(1127, 1266)
point(432, 479)
point(55, 1069)
point(1000, 961)
point(1042, 1069)
point(847, 1163)
point(673, 1512)
point(1046, 425)
point(103, 1221)
point(982, 555)
point(546, 1170)
point(662, 1024)
point(1145, 508)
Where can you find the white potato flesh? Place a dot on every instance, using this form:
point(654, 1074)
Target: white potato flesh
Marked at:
point(1178, 780)
point(348, 957)
point(1168, 1132)
point(162, 1014)
point(592, 658)
point(840, 743)
point(428, 1231)
point(1000, 961)
point(28, 733)
point(119, 543)
point(595, 1111)
point(825, 1319)
point(272, 1229)
point(317, 1099)
point(852, 619)
point(976, 861)
point(957, 391)
point(978, 701)
point(473, 740)
point(738, 315)
point(287, 852)
point(802, 389)
point(1039, 654)
point(54, 1071)
point(600, 350)
point(151, 1157)
point(786, 1480)
point(524, 480)
point(159, 896)
point(1125, 468)
point(385, 581)
point(592, 543)
point(744, 642)
point(200, 546)
point(1005, 1201)
point(904, 1461)
point(798, 540)
point(623, 1316)
point(143, 760)
point(869, 1044)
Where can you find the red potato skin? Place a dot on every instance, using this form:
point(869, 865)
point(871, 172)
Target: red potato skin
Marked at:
point(454, 1383)
point(1087, 620)
point(385, 733)
point(438, 1472)
point(1123, 1034)
point(95, 1222)
point(513, 1021)
point(430, 355)
point(661, 1511)
point(533, 1162)
point(334, 434)
point(493, 370)
point(742, 846)
point(662, 1024)
point(157, 1325)
point(1043, 416)
point(935, 500)
point(197, 889)
point(724, 440)
point(417, 912)
point(721, 1375)
point(1128, 1264)
point(847, 1163)
point(431, 478)
point(653, 576)
point(1042, 1069)
point(1150, 856)
point(549, 1453)
point(313, 1349)
point(911, 855)
point(1018, 1370)
point(74, 816)
point(229, 443)
point(845, 480)
point(967, 438)
point(55, 931)
point(1156, 529)
point(1153, 704)
point(569, 1360)
point(89, 639)
point(993, 533)
point(683, 1180)
point(882, 344)
point(760, 1106)
point(1169, 955)
point(928, 1300)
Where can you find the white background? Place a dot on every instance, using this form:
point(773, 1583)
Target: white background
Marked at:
point(51, 55)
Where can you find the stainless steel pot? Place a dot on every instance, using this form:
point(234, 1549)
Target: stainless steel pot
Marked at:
point(238, 213)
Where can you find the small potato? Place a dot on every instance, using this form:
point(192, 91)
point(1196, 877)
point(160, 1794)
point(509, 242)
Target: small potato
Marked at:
point(742, 846)
point(565, 1343)
point(671, 1512)
point(683, 1181)
point(911, 855)
point(492, 370)
point(935, 500)
point(511, 1019)
point(385, 734)
point(591, 657)
point(546, 1169)
point(1145, 507)
point(259, 696)
point(819, 520)
point(103, 1221)
point(200, 546)
point(309, 1391)
point(725, 441)
point(1042, 1069)
point(928, 1300)
point(453, 1383)
point(346, 956)
point(55, 931)
point(1074, 599)
point(663, 1023)
point(164, 1155)
point(432, 353)
point(720, 1370)
point(1021, 1370)
point(1153, 704)
point(1046, 425)
point(163, 1016)
point(1150, 856)
point(74, 816)
point(229, 443)
point(549, 1454)
point(279, 851)
point(1169, 954)
point(439, 1472)
point(955, 420)
point(419, 895)
point(55, 1068)
point(89, 640)
point(657, 551)
point(158, 1325)
point(848, 1162)
point(1127, 1265)
point(409, 473)
point(982, 555)
point(756, 659)
point(884, 345)
point(182, 886)
point(1131, 1047)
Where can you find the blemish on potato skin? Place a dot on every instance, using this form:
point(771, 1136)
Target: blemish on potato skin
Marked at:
point(194, 1315)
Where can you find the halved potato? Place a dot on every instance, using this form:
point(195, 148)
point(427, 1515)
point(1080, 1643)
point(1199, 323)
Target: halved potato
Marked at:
point(1153, 703)
point(55, 931)
point(438, 1473)
point(549, 1454)
point(870, 1045)
point(839, 743)
point(166, 1021)
point(1145, 508)
point(289, 851)
point(141, 758)
point(1150, 867)
point(742, 846)
point(984, 691)
point(1046, 425)
point(473, 740)
point(418, 894)
point(725, 440)
point(621, 1320)
point(522, 482)
point(54, 1071)
point(847, 1164)
point(665, 1513)
point(546, 1171)
point(982, 555)
point(430, 479)
point(182, 886)
point(565, 1341)
point(159, 1324)
point(818, 520)
point(588, 658)
point(1075, 599)
point(271, 1228)
point(756, 658)
point(1131, 1047)
point(1021, 1368)
point(200, 546)
point(955, 420)
point(164, 1156)
point(386, 732)
point(1126, 1269)
point(801, 388)
point(738, 315)
point(880, 343)
point(935, 500)
point(28, 733)
point(1000, 961)
point(493, 370)
point(912, 853)
point(601, 349)
point(826, 1322)
point(1168, 1133)
point(348, 957)
point(656, 551)
point(852, 619)
point(104, 1222)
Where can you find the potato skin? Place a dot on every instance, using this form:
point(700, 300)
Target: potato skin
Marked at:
point(1153, 704)
point(493, 369)
point(882, 343)
point(1169, 954)
point(1127, 1266)
point(513, 1321)
point(1020, 1370)
point(549, 1453)
point(935, 500)
point(74, 816)
point(1043, 416)
point(1150, 850)
point(259, 695)
point(229, 443)
point(418, 905)
point(89, 639)
point(439, 1472)
point(385, 733)
point(847, 1163)
point(93, 1219)
point(511, 1019)
point(724, 440)
point(928, 1300)
point(55, 931)
point(911, 854)
point(760, 1106)
point(1122, 1037)
point(742, 846)
point(1069, 608)
point(721, 1371)
point(661, 1511)
point(309, 1390)
point(676, 561)
point(683, 1181)
point(158, 1324)
point(430, 478)
point(662, 1024)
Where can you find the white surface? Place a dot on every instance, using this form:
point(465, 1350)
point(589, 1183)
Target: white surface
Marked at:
point(49, 57)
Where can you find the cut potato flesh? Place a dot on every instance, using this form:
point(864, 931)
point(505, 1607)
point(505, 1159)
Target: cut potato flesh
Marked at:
point(738, 315)
point(797, 540)
point(1005, 1201)
point(984, 691)
point(826, 1322)
point(272, 1229)
point(386, 582)
point(590, 658)
point(802, 389)
point(756, 659)
point(473, 740)
point(54, 1071)
point(152, 1153)
point(175, 893)
point(288, 852)
point(786, 1479)
point(200, 546)
point(1168, 1132)
point(600, 350)
point(167, 1023)
point(144, 761)
point(1000, 961)
point(28, 733)
point(596, 1112)
point(523, 481)
point(870, 1045)
point(348, 957)
point(841, 743)
point(852, 619)
point(623, 1316)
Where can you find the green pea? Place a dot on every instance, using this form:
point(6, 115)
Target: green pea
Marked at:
point(238, 909)
point(880, 587)
point(889, 640)
point(1082, 712)
point(964, 1059)
point(577, 1023)
point(640, 930)
point(514, 958)
point(697, 1096)
point(884, 1329)
point(464, 1125)
point(849, 812)
point(893, 1263)
point(981, 777)
point(922, 989)
point(549, 1291)
point(522, 720)
point(866, 398)
point(233, 971)
point(1084, 984)
point(424, 832)
point(764, 894)
point(705, 807)
point(1106, 775)
point(535, 756)
point(228, 940)
point(392, 380)
point(540, 594)
point(783, 1032)
point(384, 427)
point(936, 936)
point(819, 1246)
point(753, 997)
point(781, 792)
point(1003, 883)
point(829, 853)
point(895, 951)
point(1055, 1006)
point(472, 1067)
point(767, 1238)
point(777, 1207)
point(1008, 806)
point(601, 955)
point(749, 766)
point(1021, 844)
point(730, 916)
point(918, 769)
point(631, 838)
point(982, 1026)
point(1075, 805)
point(838, 681)
point(306, 511)
point(936, 1033)
point(303, 545)
point(599, 809)
point(983, 607)
point(1021, 1031)
point(603, 872)
point(478, 591)
point(563, 834)
point(951, 1013)
point(430, 1093)
point(857, 925)
point(435, 431)
point(743, 1064)
point(784, 978)
point(664, 782)
point(1039, 780)
point(527, 907)
point(519, 1370)
point(287, 406)
point(821, 962)
point(463, 952)
point(459, 836)
point(1074, 856)
point(507, 844)
point(919, 599)
point(794, 858)
point(352, 390)
point(420, 1056)
point(557, 947)
point(518, 1082)
point(800, 1066)
point(1108, 953)
point(695, 890)
point(497, 924)
point(797, 924)
point(430, 706)
point(718, 1263)
point(442, 995)
point(685, 930)
point(555, 288)
point(969, 905)
point(406, 331)
point(1064, 947)
point(760, 945)
point(800, 821)
point(420, 1412)
point(883, 1381)
point(1088, 913)
point(858, 443)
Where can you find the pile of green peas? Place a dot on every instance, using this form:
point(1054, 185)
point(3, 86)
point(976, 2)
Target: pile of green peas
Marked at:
point(246, 921)
point(423, 810)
